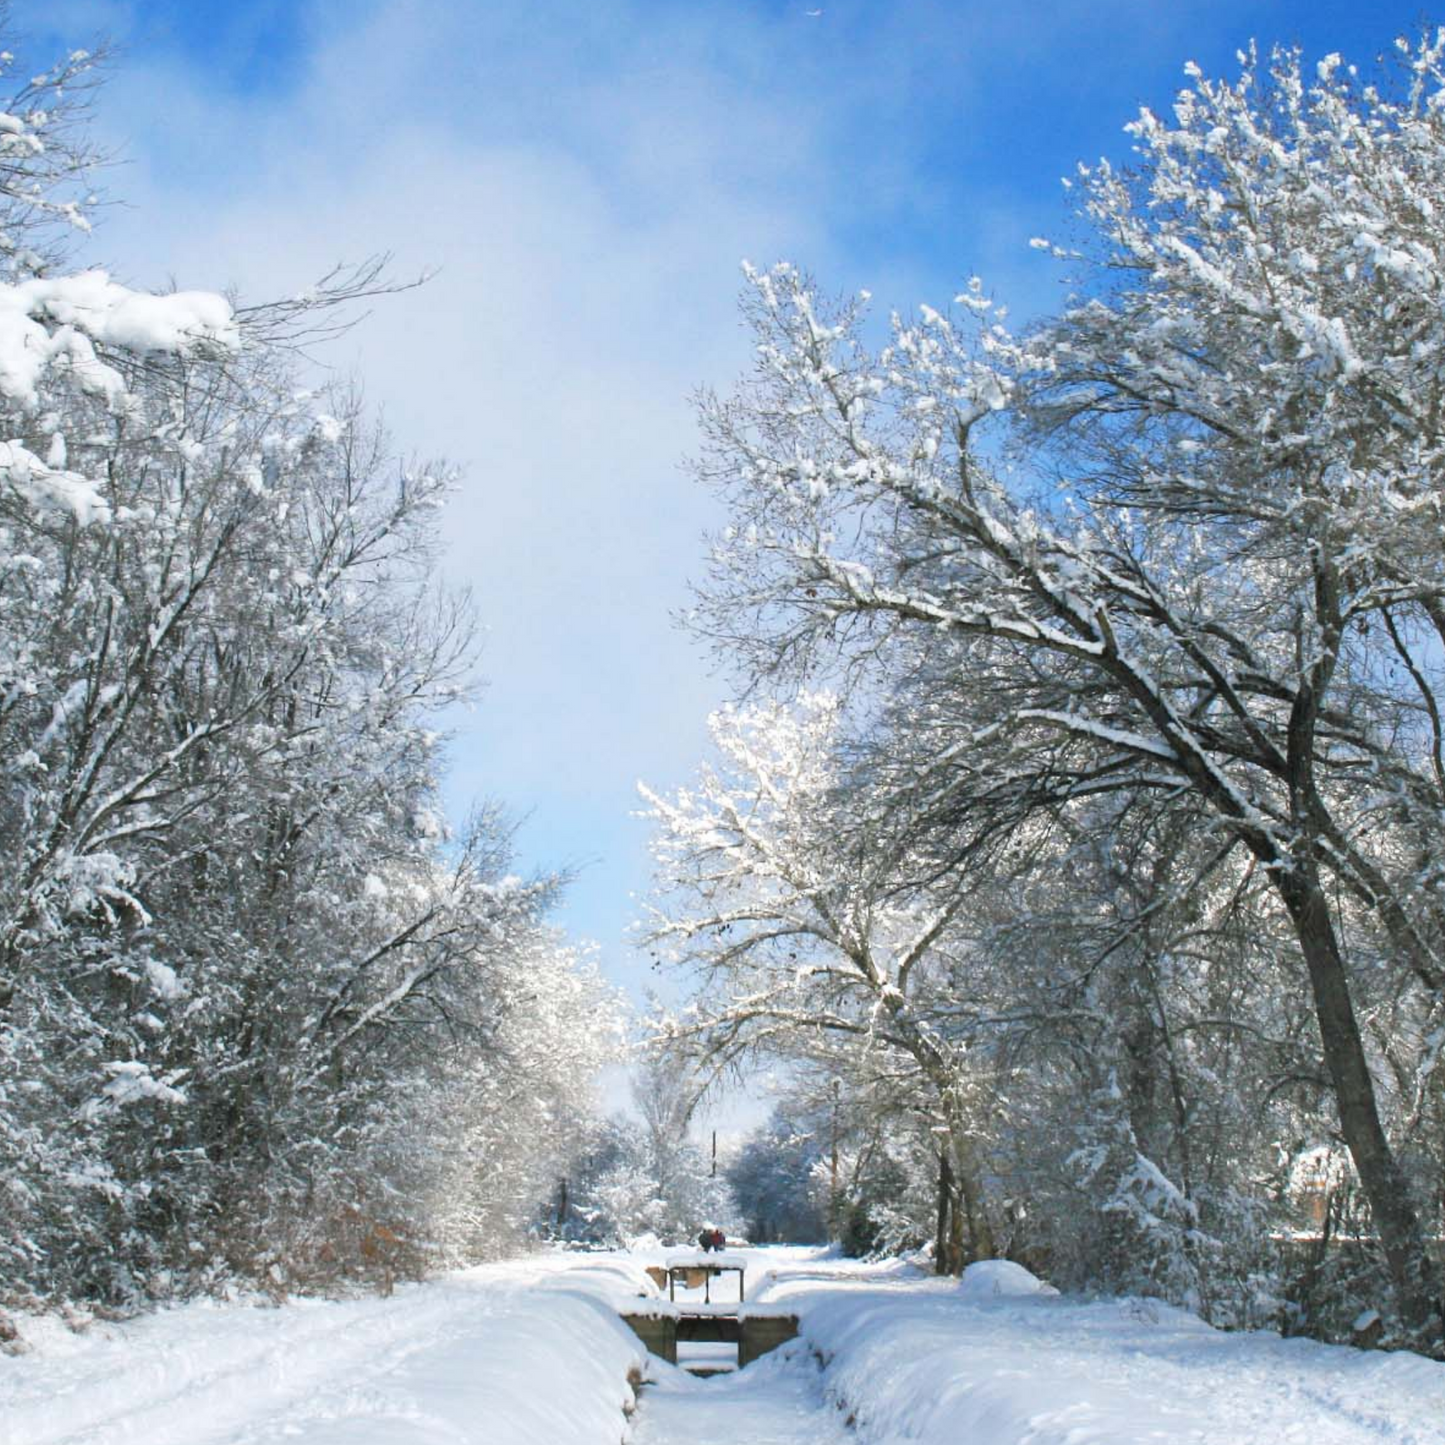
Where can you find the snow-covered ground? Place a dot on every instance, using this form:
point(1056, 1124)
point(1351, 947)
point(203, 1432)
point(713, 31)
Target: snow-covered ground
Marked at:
point(532, 1353)
point(511, 1355)
point(997, 1360)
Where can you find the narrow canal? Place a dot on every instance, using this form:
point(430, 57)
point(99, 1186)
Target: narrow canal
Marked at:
point(777, 1400)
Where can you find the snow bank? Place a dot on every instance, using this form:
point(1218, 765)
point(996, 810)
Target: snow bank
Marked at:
point(1001, 1279)
point(487, 1356)
point(776, 1401)
point(997, 1360)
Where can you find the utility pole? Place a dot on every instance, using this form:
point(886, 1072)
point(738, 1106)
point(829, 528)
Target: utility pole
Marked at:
point(714, 1154)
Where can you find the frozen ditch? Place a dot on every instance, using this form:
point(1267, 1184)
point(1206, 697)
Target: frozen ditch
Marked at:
point(777, 1400)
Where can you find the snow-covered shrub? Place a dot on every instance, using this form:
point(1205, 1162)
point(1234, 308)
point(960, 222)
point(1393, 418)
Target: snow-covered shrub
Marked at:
point(1137, 1232)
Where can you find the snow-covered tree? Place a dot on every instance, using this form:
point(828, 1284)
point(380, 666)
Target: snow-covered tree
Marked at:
point(779, 1179)
point(47, 160)
point(646, 1176)
point(242, 962)
point(526, 1102)
point(794, 915)
point(1234, 598)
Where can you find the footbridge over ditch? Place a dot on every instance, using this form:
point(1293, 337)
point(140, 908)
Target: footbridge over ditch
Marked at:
point(681, 1318)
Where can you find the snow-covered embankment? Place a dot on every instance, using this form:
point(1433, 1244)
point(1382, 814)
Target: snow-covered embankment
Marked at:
point(1001, 1359)
point(479, 1356)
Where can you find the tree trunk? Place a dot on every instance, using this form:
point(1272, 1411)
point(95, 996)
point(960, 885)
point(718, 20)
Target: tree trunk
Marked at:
point(963, 1232)
point(966, 1195)
point(970, 1194)
point(959, 1248)
point(942, 1264)
point(1384, 1183)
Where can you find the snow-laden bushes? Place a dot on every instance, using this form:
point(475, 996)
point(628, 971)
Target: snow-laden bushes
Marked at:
point(644, 1178)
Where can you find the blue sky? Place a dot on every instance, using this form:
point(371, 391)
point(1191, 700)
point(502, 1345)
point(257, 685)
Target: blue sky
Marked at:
point(587, 177)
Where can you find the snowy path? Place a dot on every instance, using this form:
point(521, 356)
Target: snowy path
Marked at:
point(778, 1400)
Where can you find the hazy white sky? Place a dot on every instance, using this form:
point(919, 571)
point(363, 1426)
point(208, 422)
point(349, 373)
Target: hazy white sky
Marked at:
point(585, 178)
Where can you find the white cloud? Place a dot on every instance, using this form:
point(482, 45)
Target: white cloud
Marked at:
point(586, 282)
point(586, 179)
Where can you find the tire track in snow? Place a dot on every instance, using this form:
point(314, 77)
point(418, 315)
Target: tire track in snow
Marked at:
point(170, 1380)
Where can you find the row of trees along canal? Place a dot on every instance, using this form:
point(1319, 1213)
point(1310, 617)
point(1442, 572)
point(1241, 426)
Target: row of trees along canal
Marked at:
point(1084, 811)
